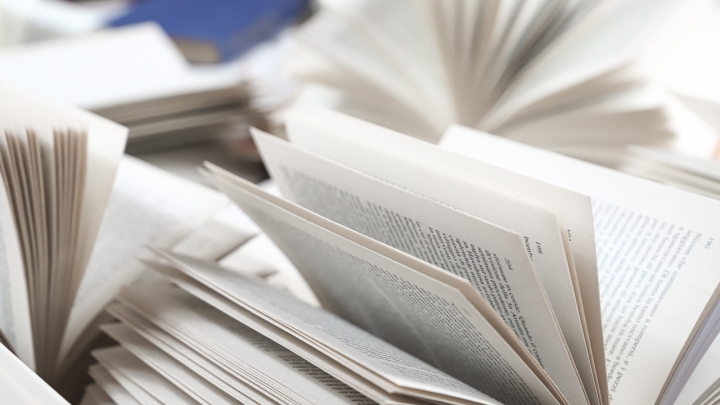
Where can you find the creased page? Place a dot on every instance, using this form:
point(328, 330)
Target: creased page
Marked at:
point(485, 192)
point(491, 258)
point(657, 259)
point(407, 308)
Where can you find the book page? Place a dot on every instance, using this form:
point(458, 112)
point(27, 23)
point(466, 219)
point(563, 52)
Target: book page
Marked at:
point(178, 374)
point(705, 377)
point(210, 361)
point(201, 361)
point(115, 391)
point(14, 300)
point(20, 385)
point(369, 357)
point(88, 187)
point(238, 348)
point(450, 239)
point(220, 354)
point(590, 50)
point(206, 362)
point(260, 257)
point(397, 28)
point(139, 379)
point(94, 395)
point(488, 193)
point(375, 72)
point(148, 207)
point(657, 259)
point(335, 363)
point(394, 301)
point(212, 240)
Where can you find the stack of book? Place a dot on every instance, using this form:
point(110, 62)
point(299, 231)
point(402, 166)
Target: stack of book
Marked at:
point(134, 76)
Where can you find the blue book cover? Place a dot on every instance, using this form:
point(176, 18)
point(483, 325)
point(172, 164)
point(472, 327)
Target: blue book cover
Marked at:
point(229, 27)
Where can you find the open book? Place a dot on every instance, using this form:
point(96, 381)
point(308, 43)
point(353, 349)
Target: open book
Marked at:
point(555, 74)
point(447, 279)
point(58, 166)
point(75, 214)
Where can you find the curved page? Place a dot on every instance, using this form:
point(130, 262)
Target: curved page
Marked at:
point(401, 304)
point(535, 210)
point(493, 259)
point(657, 260)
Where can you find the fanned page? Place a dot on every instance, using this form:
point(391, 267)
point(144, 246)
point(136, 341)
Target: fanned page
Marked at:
point(373, 72)
point(591, 56)
point(229, 382)
point(342, 349)
point(177, 373)
point(326, 354)
point(543, 214)
point(492, 259)
point(64, 164)
point(241, 359)
point(543, 71)
point(139, 379)
point(116, 391)
point(657, 263)
point(354, 278)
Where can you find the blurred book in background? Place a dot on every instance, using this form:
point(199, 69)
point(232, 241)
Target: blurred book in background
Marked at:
point(570, 76)
point(218, 31)
point(136, 77)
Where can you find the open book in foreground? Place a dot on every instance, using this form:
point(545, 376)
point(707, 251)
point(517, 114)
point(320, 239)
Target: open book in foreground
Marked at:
point(57, 165)
point(446, 279)
point(74, 216)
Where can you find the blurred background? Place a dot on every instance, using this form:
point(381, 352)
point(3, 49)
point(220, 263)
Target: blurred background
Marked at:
point(633, 85)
